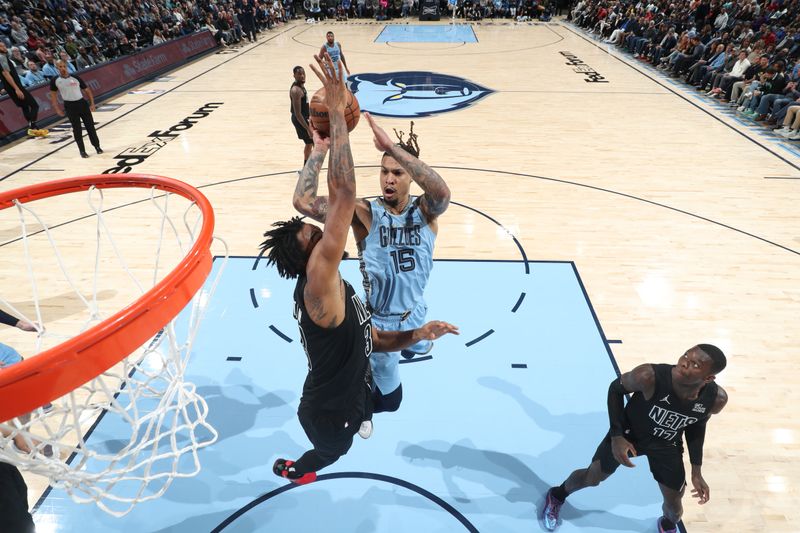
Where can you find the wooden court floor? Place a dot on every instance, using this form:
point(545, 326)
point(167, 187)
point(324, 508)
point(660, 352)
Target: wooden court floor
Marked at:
point(682, 221)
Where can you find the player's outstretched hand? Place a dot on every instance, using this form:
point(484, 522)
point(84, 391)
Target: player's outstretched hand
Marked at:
point(700, 490)
point(621, 448)
point(382, 140)
point(24, 325)
point(435, 329)
point(335, 87)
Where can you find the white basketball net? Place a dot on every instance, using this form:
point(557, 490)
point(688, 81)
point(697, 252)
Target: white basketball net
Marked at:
point(124, 436)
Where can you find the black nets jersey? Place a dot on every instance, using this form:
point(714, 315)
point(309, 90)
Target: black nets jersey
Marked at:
point(304, 109)
point(660, 421)
point(338, 358)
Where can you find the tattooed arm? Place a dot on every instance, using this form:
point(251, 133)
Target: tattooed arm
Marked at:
point(437, 194)
point(305, 198)
point(324, 291)
point(341, 184)
point(308, 203)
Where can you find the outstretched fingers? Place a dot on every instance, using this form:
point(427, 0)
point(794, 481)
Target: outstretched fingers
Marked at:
point(381, 140)
point(316, 71)
point(439, 328)
point(326, 73)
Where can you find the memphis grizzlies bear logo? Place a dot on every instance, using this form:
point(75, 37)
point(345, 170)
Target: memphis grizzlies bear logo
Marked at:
point(414, 93)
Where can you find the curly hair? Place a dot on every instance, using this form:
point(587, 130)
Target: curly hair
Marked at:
point(283, 248)
point(411, 146)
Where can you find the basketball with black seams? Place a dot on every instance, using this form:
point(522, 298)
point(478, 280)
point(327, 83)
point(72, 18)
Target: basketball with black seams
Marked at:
point(319, 112)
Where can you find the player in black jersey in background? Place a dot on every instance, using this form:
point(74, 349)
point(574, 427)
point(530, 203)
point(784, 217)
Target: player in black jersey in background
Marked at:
point(300, 111)
point(335, 326)
point(667, 400)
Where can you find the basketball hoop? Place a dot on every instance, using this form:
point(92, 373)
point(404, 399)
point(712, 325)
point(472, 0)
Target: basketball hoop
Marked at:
point(126, 369)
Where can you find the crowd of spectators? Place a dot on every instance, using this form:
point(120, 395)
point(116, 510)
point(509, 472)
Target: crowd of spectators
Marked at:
point(85, 33)
point(471, 10)
point(741, 52)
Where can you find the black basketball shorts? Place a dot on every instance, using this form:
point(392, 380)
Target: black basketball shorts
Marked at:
point(302, 133)
point(666, 464)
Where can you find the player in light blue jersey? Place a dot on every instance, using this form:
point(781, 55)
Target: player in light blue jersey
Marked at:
point(334, 49)
point(395, 235)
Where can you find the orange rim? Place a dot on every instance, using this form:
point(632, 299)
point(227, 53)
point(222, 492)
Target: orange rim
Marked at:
point(55, 372)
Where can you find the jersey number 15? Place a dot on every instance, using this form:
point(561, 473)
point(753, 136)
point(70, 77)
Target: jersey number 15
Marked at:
point(403, 260)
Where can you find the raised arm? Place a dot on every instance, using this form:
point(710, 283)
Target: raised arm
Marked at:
point(436, 195)
point(323, 266)
point(305, 198)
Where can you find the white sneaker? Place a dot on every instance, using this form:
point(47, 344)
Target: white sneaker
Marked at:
point(795, 136)
point(784, 131)
point(740, 108)
point(365, 431)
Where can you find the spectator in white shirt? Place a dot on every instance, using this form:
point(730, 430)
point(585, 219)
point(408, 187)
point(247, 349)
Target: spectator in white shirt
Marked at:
point(158, 37)
point(722, 19)
point(736, 74)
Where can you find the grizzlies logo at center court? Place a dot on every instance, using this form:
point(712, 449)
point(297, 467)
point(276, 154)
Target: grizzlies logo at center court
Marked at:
point(414, 93)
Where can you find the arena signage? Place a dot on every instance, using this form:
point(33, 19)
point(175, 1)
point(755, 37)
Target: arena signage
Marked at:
point(591, 75)
point(109, 78)
point(136, 155)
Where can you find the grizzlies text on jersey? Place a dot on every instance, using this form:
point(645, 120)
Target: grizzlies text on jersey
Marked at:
point(396, 259)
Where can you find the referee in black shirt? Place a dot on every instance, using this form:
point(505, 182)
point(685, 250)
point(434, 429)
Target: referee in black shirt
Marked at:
point(71, 89)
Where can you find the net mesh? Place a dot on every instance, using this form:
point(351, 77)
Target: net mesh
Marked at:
point(122, 437)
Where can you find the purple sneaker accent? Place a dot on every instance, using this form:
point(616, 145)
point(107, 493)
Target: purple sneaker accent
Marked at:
point(552, 507)
point(662, 530)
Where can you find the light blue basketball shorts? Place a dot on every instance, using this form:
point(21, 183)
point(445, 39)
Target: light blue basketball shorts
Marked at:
point(8, 355)
point(386, 365)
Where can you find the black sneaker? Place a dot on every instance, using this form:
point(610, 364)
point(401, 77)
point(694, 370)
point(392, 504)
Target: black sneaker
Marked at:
point(84, 155)
point(422, 348)
point(98, 149)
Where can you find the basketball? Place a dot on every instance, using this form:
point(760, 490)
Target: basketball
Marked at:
point(319, 112)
